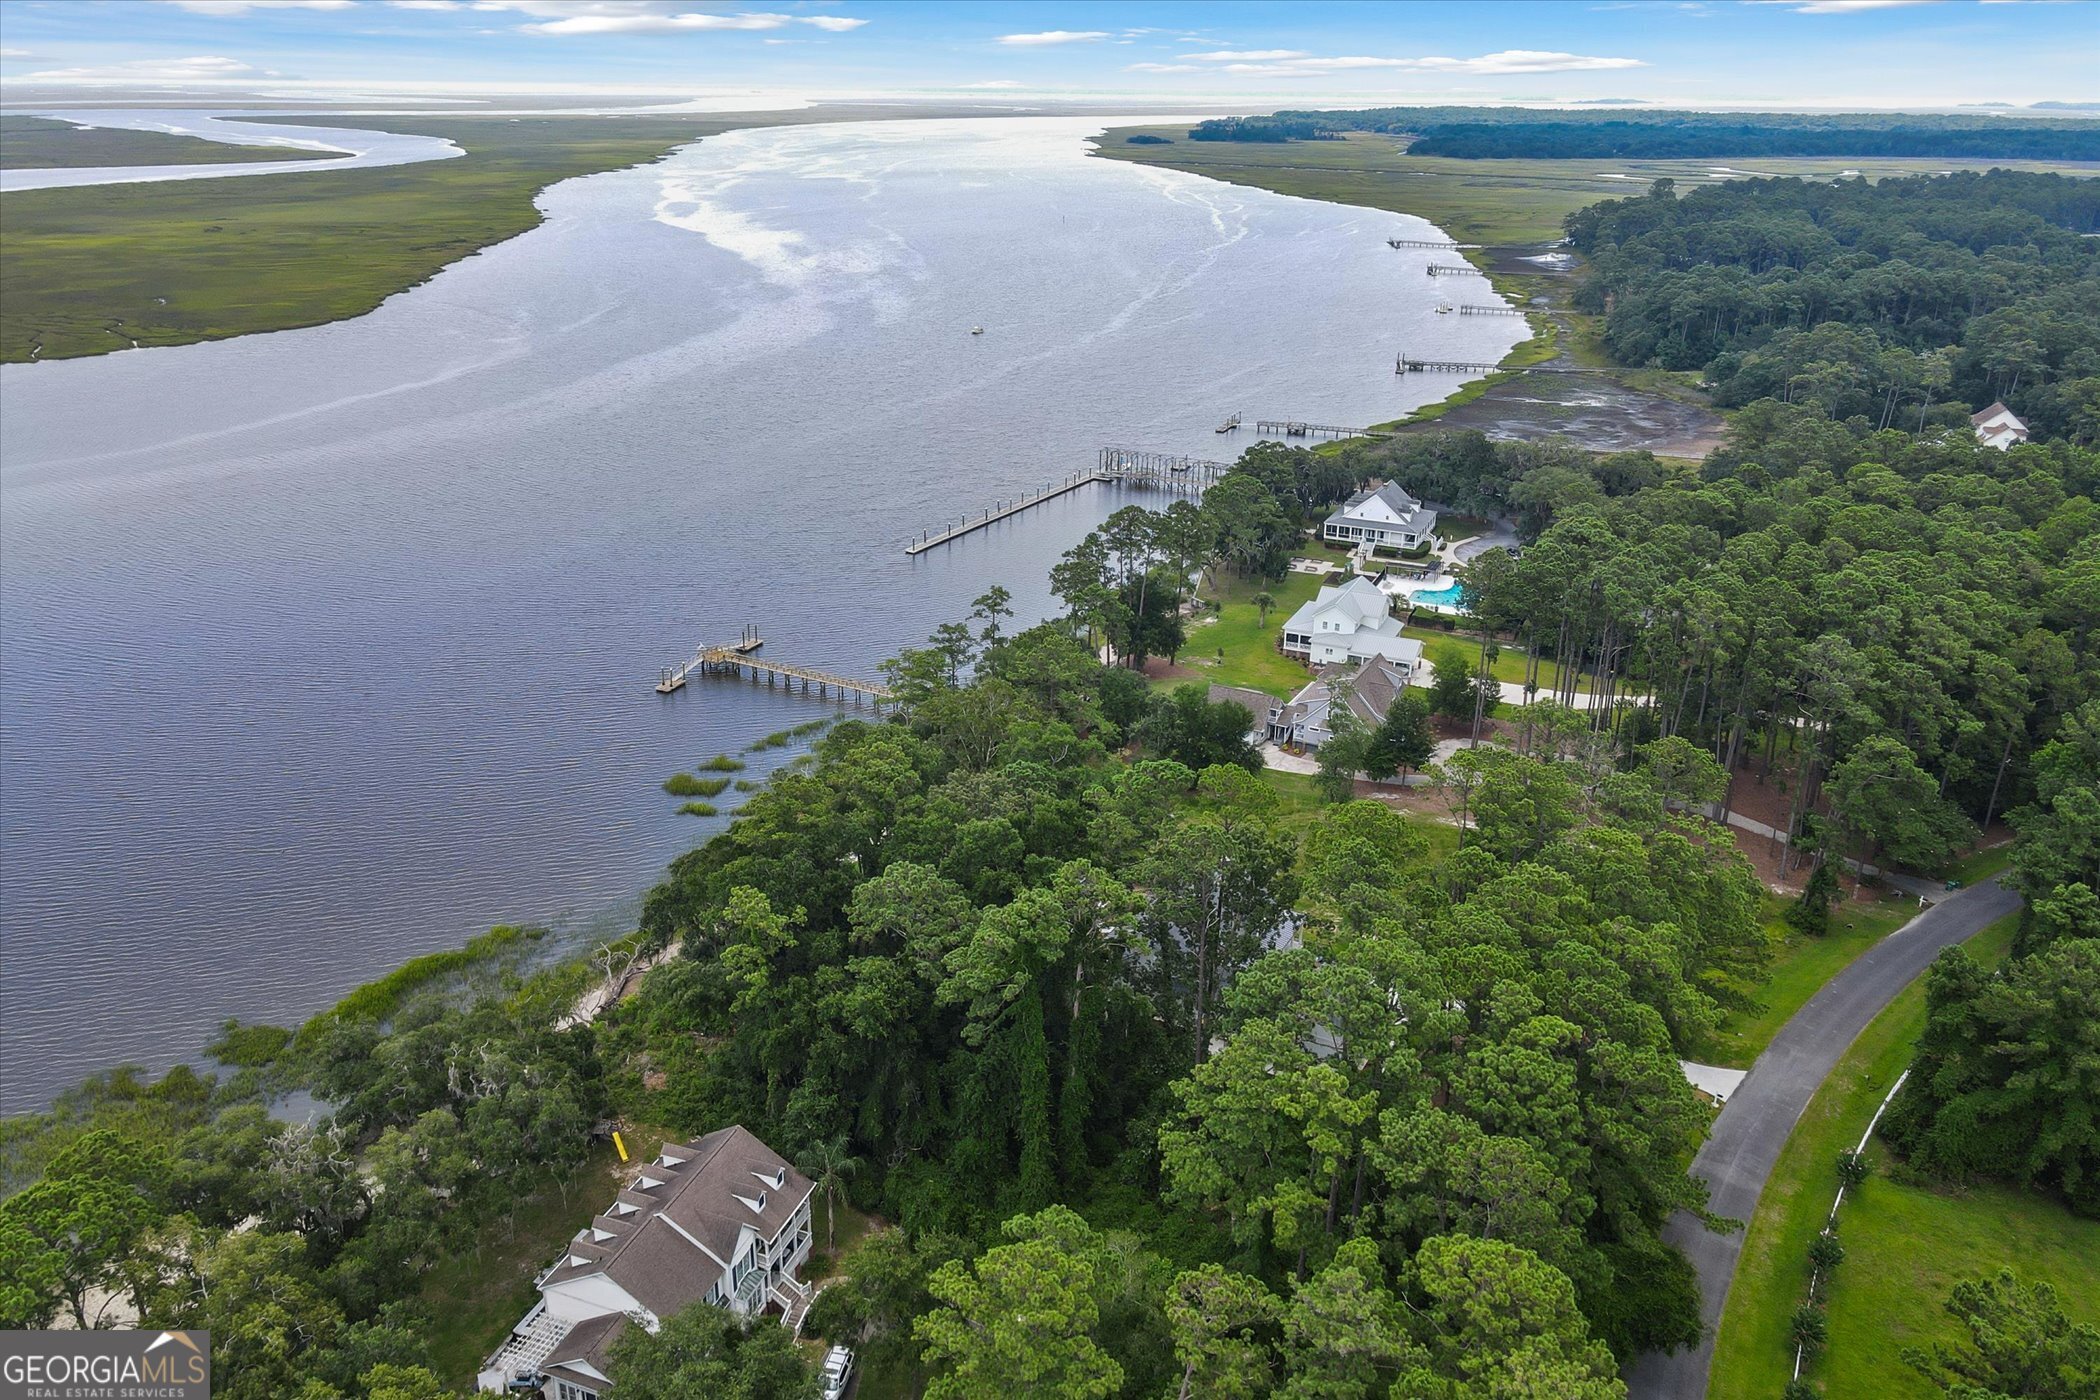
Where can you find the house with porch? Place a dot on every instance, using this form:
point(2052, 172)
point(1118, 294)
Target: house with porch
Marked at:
point(721, 1220)
point(1349, 624)
point(1381, 514)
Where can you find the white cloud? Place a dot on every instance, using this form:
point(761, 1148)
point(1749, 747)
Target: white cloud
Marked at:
point(1054, 36)
point(14, 53)
point(996, 84)
point(1508, 61)
point(1164, 68)
point(690, 22)
point(1840, 7)
point(427, 4)
point(206, 68)
point(1246, 55)
point(229, 9)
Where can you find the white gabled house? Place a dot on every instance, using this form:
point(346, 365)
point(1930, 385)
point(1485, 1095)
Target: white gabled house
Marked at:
point(1349, 624)
point(1997, 426)
point(722, 1220)
point(1382, 514)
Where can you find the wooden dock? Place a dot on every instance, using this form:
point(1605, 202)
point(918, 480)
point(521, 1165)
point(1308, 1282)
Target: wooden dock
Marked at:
point(1489, 311)
point(1123, 466)
point(1403, 365)
point(1446, 247)
point(1290, 428)
point(1230, 425)
point(738, 657)
point(1454, 270)
point(1003, 510)
point(674, 677)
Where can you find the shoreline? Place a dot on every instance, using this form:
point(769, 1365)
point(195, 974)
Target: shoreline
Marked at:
point(1678, 425)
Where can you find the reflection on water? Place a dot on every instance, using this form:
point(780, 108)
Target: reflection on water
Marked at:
point(326, 648)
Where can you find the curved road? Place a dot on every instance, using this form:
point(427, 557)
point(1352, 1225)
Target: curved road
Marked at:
point(1752, 1128)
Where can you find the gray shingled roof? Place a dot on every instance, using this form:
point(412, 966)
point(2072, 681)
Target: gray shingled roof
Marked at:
point(589, 1342)
point(701, 1199)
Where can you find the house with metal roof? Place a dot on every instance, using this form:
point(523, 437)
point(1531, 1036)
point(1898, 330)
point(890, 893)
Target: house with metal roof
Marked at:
point(1381, 514)
point(722, 1220)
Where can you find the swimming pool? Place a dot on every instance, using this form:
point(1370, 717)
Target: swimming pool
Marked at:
point(1451, 597)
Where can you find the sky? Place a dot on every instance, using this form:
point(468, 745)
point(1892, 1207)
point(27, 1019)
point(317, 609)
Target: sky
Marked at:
point(1248, 53)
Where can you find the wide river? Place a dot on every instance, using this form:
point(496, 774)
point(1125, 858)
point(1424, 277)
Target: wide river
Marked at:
point(326, 648)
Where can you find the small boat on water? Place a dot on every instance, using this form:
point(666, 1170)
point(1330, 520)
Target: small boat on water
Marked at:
point(1443, 308)
point(977, 330)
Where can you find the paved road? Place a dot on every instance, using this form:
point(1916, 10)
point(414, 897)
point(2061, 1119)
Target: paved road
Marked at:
point(1751, 1130)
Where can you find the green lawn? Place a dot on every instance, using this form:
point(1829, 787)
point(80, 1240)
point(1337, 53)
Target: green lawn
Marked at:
point(479, 1294)
point(1982, 864)
point(1509, 662)
point(1474, 201)
point(1799, 968)
point(1248, 645)
point(85, 271)
point(46, 143)
point(1906, 1247)
point(1752, 1356)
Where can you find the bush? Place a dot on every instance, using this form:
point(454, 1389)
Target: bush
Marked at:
point(686, 785)
point(723, 763)
point(697, 809)
point(1826, 1253)
point(248, 1047)
point(1852, 1169)
point(1809, 1328)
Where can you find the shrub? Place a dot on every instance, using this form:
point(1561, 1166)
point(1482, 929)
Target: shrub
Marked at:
point(248, 1047)
point(697, 809)
point(1852, 1169)
point(1809, 1328)
point(723, 763)
point(1826, 1253)
point(686, 785)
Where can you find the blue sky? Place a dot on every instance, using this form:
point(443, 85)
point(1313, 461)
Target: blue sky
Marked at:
point(1678, 52)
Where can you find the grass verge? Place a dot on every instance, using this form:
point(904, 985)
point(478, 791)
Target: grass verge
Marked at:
point(1799, 968)
point(1752, 1357)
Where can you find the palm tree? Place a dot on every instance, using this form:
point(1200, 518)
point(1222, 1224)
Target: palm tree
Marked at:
point(827, 1166)
point(1262, 603)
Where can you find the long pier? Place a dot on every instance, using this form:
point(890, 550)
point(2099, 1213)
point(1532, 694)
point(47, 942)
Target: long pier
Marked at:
point(1454, 270)
point(1489, 311)
point(1445, 246)
point(738, 657)
point(1288, 427)
point(1128, 466)
point(1402, 364)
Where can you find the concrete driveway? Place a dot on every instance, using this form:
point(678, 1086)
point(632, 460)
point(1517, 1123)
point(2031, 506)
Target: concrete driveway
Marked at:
point(1749, 1133)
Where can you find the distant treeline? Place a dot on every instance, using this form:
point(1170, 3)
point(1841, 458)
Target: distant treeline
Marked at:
point(1297, 127)
point(1475, 133)
point(1873, 300)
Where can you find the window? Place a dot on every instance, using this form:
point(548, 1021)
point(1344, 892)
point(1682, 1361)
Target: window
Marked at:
point(565, 1391)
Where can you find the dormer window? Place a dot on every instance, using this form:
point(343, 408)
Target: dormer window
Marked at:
point(758, 1207)
point(624, 1208)
point(777, 1178)
point(646, 1182)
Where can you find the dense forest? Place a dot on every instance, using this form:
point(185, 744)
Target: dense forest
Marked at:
point(1877, 300)
point(1502, 132)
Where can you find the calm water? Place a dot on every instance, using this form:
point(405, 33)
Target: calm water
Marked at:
point(358, 149)
point(322, 649)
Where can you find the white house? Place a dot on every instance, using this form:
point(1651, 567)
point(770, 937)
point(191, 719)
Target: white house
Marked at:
point(1349, 624)
point(1998, 427)
point(1383, 514)
point(722, 1220)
